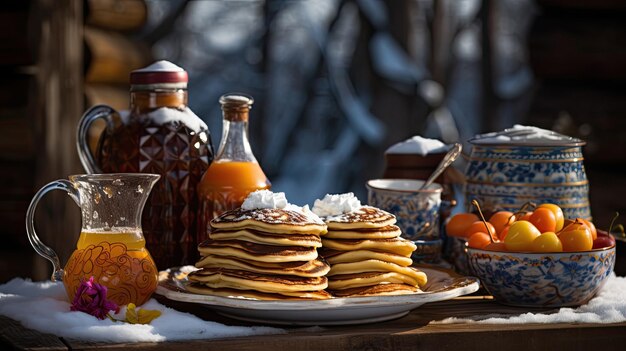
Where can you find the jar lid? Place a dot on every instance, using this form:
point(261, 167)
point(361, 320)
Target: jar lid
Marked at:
point(520, 135)
point(160, 73)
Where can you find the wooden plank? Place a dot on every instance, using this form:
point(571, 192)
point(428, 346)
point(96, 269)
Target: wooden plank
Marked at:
point(412, 332)
point(584, 5)
point(60, 105)
point(18, 33)
point(16, 261)
point(122, 15)
point(13, 336)
point(110, 57)
point(592, 112)
point(17, 139)
point(476, 337)
point(17, 109)
point(578, 47)
point(116, 96)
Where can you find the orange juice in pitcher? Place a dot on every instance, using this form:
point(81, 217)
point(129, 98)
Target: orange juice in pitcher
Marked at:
point(118, 258)
point(133, 239)
point(111, 246)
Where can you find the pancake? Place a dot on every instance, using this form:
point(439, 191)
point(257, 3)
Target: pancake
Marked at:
point(255, 236)
point(388, 232)
point(243, 280)
point(379, 289)
point(346, 281)
point(335, 256)
point(397, 246)
point(376, 266)
point(202, 289)
point(256, 252)
point(314, 268)
point(271, 220)
point(364, 217)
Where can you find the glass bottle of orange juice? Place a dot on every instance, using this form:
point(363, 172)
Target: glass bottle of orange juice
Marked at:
point(235, 172)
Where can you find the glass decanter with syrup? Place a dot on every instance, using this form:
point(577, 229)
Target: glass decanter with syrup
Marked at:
point(235, 172)
point(161, 135)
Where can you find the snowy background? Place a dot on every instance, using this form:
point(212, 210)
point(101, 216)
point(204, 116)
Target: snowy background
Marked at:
point(336, 82)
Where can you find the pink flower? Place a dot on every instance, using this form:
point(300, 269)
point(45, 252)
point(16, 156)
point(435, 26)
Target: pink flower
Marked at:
point(91, 298)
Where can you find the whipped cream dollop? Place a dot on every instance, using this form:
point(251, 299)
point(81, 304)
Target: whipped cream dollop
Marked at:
point(520, 134)
point(418, 145)
point(336, 204)
point(264, 199)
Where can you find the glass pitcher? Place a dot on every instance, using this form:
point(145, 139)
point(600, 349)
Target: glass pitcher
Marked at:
point(111, 246)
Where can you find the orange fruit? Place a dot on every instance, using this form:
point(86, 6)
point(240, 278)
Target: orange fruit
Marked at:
point(501, 219)
point(544, 220)
point(558, 215)
point(459, 223)
point(480, 226)
point(479, 240)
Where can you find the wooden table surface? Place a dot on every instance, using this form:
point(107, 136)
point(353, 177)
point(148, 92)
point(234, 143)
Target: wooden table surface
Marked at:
point(411, 332)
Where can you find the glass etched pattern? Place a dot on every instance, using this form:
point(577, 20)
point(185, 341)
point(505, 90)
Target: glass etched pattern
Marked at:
point(180, 156)
point(129, 275)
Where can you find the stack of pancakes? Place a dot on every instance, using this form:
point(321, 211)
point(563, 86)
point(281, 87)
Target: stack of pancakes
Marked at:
point(367, 255)
point(268, 254)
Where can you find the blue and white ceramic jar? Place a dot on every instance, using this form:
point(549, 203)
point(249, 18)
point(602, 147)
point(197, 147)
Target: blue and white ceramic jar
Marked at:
point(507, 169)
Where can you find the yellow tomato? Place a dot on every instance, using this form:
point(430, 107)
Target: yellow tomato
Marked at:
point(547, 242)
point(521, 236)
point(577, 239)
point(592, 228)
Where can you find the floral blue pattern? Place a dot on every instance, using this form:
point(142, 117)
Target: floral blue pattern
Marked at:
point(504, 177)
point(417, 214)
point(542, 280)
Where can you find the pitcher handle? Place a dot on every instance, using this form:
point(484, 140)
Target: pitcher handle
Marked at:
point(40, 247)
point(86, 158)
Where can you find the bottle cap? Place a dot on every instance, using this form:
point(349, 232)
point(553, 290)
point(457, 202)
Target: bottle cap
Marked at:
point(163, 74)
point(236, 106)
point(236, 101)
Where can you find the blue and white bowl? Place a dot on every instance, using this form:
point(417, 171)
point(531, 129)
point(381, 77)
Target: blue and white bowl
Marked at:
point(542, 279)
point(503, 174)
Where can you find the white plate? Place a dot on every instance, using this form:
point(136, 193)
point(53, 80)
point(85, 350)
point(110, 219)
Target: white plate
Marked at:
point(442, 285)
